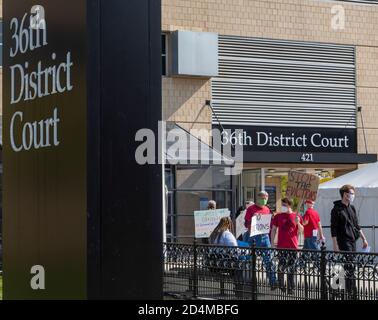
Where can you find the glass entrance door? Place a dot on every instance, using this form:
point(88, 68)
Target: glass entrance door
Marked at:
point(249, 185)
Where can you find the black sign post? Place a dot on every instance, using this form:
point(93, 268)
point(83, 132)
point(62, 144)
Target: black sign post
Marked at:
point(81, 218)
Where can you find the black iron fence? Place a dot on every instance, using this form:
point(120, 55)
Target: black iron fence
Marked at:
point(371, 233)
point(227, 273)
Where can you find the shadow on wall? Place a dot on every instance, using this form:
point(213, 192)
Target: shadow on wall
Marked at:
point(184, 100)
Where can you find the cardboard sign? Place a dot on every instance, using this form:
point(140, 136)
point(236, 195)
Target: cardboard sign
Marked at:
point(302, 186)
point(206, 221)
point(240, 228)
point(260, 224)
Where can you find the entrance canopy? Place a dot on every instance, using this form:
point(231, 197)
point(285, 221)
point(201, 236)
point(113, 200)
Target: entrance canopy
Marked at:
point(183, 148)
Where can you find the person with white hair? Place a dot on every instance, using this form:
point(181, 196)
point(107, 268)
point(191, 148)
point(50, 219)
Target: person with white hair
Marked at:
point(262, 240)
point(212, 205)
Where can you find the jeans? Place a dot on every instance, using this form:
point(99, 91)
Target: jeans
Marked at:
point(287, 262)
point(263, 241)
point(311, 244)
point(350, 279)
point(310, 258)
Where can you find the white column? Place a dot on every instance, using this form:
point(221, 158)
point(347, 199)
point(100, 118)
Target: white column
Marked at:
point(165, 205)
point(262, 178)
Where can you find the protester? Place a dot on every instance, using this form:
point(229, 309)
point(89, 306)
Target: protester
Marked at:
point(289, 225)
point(246, 205)
point(345, 228)
point(212, 205)
point(345, 232)
point(241, 209)
point(222, 234)
point(312, 227)
point(261, 241)
point(260, 207)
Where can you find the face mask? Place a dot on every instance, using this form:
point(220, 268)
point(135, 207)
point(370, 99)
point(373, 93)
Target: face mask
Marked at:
point(284, 209)
point(351, 197)
point(263, 202)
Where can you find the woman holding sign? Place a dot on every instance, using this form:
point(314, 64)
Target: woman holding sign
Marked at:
point(289, 225)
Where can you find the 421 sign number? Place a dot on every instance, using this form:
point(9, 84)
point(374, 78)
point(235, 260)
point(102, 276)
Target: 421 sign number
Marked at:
point(307, 157)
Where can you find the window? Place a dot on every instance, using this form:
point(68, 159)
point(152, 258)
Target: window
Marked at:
point(164, 54)
point(190, 188)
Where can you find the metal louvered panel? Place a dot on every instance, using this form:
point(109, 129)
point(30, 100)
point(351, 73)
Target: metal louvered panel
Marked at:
point(284, 83)
point(357, 1)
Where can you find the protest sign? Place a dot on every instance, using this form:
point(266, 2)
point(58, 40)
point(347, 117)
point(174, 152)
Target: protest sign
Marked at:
point(302, 186)
point(260, 224)
point(206, 221)
point(240, 228)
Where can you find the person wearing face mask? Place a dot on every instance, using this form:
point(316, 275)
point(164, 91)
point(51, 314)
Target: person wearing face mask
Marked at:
point(345, 232)
point(289, 225)
point(260, 207)
point(345, 228)
point(312, 227)
point(261, 241)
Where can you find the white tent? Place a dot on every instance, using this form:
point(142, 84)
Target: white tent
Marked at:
point(365, 180)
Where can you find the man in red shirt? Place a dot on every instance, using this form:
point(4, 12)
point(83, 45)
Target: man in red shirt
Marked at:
point(289, 225)
point(262, 240)
point(258, 208)
point(312, 227)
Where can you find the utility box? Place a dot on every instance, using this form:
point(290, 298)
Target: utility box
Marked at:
point(194, 54)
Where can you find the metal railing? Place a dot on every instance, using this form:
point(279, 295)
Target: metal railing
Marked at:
point(193, 271)
point(369, 231)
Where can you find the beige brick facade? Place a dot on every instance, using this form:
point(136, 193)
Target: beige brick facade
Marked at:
point(309, 20)
point(304, 20)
